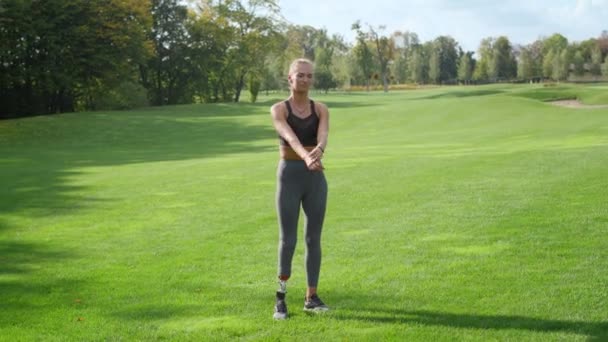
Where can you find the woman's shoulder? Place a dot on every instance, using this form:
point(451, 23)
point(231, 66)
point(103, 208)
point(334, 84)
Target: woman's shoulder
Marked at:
point(321, 107)
point(278, 108)
point(280, 103)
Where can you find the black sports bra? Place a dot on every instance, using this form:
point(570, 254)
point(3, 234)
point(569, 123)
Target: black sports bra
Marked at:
point(305, 129)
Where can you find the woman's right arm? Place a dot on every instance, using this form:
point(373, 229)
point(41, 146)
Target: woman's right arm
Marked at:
point(279, 120)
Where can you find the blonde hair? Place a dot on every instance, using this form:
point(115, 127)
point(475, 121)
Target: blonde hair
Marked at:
point(298, 61)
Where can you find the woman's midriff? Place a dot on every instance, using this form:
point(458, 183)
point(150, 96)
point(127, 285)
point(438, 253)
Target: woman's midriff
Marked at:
point(288, 153)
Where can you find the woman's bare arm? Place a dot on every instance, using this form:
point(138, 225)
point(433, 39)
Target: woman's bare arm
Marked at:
point(323, 130)
point(279, 120)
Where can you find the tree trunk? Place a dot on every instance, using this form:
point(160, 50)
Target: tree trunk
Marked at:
point(239, 86)
point(385, 81)
point(216, 92)
point(171, 93)
point(159, 90)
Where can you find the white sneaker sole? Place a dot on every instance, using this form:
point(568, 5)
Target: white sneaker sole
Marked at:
point(317, 310)
point(279, 316)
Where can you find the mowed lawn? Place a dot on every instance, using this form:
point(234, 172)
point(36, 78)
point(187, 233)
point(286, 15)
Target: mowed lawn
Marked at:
point(456, 213)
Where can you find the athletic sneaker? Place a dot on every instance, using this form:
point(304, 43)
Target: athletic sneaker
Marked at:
point(280, 308)
point(314, 304)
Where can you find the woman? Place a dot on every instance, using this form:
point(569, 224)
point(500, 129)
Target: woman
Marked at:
point(302, 125)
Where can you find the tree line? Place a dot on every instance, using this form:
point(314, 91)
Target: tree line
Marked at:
point(68, 55)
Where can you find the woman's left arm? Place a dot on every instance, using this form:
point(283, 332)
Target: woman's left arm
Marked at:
point(322, 131)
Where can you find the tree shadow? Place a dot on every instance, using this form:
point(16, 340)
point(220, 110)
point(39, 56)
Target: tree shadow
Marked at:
point(239, 109)
point(346, 104)
point(332, 104)
point(19, 291)
point(461, 94)
point(42, 158)
point(41, 154)
point(20, 258)
point(593, 330)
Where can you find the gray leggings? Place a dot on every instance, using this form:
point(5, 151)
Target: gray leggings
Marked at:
point(296, 185)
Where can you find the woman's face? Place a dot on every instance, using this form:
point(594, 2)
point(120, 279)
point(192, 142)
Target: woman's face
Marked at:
point(300, 78)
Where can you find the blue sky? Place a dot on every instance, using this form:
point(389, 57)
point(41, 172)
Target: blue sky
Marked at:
point(467, 21)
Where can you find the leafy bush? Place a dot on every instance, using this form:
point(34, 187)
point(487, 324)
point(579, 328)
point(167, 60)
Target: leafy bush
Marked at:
point(126, 95)
point(254, 87)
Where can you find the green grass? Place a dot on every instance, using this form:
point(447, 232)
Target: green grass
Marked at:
point(589, 95)
point(463, 213)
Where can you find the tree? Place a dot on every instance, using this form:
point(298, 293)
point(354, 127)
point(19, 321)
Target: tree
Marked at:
point(497, 58)
point(434, 65)
point(404, 42)
point(251, 30)
point(596, 62)
point(167, 72)
point(272, 75)
point(254, 86)
point(602, 42)
point(417, 65)
point(400, 69)
point(121, 38)
point(465, 67)
point(605, 67)
point(485, 67)
point(19, 52)
point(323, 76)
point(561, 63)
point(553, 62)
point(525, 68)
point(503, 62)
point(586, 47)
point(363, 55)
point(555, 42)
point(548, 62)
point(208, 43)
point(303, 41)
point(579, 64)
point(315, 44)
point(55, 55)
point(384, 53)
point(447, 53)
point(384, 48)
point(340, 68)
point(536, 56)
point(327, 50)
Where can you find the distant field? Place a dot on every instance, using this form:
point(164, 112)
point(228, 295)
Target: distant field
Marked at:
point(456, 213)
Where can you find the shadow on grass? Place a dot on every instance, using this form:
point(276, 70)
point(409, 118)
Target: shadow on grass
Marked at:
point(243, 109)
point(40, 155)
point(26, 305)
point(17, 258)
point(333, 104)
point(461, 93)
point(20, 292)
point(355, 104)
point(43, 158)
point(594, 330)
point(210, 110)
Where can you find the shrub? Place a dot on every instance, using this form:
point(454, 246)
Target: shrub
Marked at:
point(126, 95)
point(254, 87)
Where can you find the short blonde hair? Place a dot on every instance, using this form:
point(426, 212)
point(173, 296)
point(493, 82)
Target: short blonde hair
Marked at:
point(298, 61)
